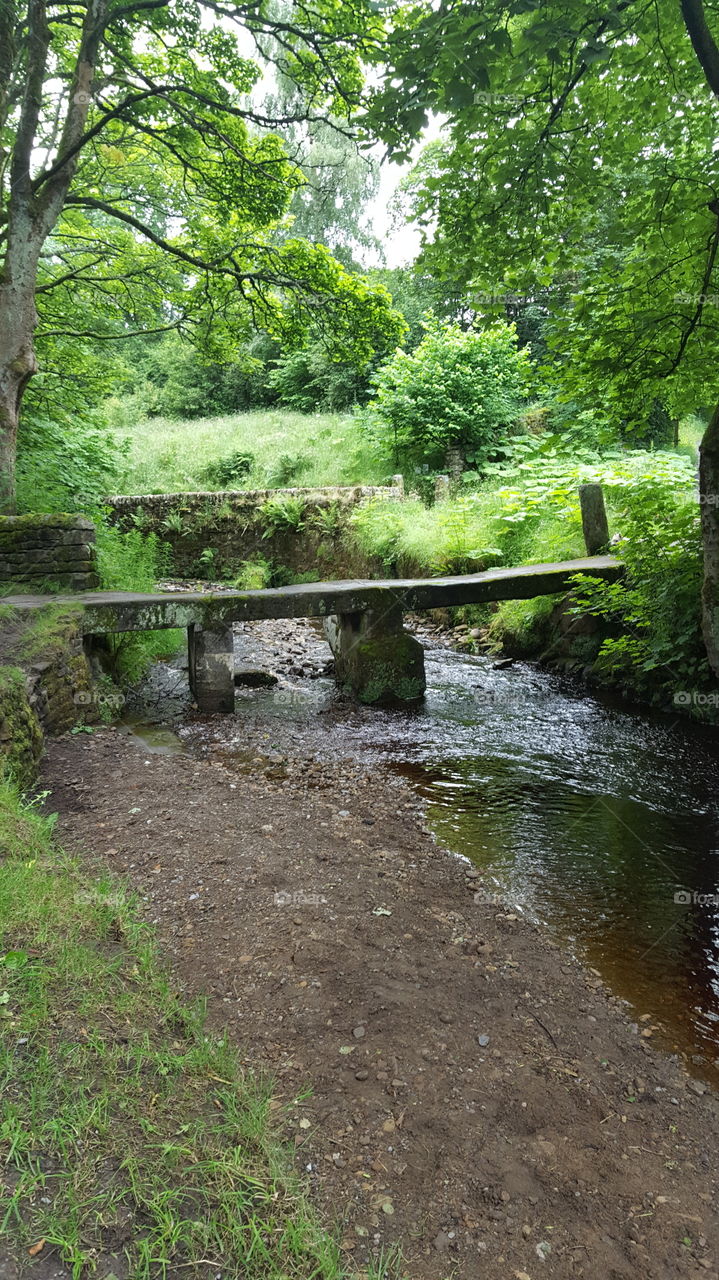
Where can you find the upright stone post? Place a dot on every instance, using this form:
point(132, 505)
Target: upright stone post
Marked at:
point(211, 665)
point(441, 488)
point(594, 519)
point(375, 658)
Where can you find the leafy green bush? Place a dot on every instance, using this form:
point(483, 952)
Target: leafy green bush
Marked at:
point(655, 610)
point(309, 380)
point(287, 468)
point(173, 378)
point(230, 469)
point(254, 574)
point(65, 466)
point(458, 390)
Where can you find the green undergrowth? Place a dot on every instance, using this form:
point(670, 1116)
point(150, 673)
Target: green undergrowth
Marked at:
point(132, 1140)
point(522, 628)
point(134, 561)
point(278, 448)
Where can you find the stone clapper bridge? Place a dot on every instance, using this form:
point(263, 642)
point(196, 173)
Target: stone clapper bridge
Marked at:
point(375, 657)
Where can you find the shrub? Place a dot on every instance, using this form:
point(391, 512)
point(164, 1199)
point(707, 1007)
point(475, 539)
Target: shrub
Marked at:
point(65, 466)
point(457, 391)
point(287, 468)
point(655, 610)
point(230, 469)
point(254, 574)
point(309, 380)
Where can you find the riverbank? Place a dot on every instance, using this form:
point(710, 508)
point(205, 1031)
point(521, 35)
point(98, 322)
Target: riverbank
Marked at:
point(477, 1097)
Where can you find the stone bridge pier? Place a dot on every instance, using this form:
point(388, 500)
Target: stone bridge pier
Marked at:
point(211, 666)
point(375, 658)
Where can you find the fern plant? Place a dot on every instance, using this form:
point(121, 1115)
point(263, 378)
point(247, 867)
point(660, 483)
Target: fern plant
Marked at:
point(280, 514)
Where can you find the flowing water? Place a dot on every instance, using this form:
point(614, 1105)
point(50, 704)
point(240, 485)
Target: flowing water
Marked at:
point(598, 821)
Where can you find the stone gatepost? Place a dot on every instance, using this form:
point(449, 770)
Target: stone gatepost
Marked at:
point(595, 525)
point(211, 664)
point(375, 658)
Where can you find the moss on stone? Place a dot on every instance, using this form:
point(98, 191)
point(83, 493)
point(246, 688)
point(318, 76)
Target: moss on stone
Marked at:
point(53, 520)
point(48, 631)
point(21, 739)
point(386, 670)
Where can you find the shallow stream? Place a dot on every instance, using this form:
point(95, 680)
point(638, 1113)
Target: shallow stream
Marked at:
point(599, 821)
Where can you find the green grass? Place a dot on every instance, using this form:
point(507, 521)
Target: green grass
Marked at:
point(691, 430)
point(127, 1131)
point(289, 448)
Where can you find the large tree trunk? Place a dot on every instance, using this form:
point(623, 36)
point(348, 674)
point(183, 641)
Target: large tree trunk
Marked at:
point(17, 365)
point(709, 500)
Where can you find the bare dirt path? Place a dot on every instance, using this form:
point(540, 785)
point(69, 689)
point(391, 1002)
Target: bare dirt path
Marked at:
point(476, 1095)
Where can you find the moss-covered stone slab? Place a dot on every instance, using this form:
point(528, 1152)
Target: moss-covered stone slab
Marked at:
point(107, 612)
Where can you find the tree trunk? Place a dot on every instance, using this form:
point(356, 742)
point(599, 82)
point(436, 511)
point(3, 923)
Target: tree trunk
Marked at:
point(17, 365)
point(709, 500)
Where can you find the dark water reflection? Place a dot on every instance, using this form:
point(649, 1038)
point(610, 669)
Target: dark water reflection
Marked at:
point(600, 822)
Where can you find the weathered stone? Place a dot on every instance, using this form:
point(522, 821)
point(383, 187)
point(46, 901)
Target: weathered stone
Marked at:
point(20, 733)
point(58, 550)
point(235, 527)
point(211, 667)
point(107, 612)
point(441, 488)
point(375, 658)
point(594, 519)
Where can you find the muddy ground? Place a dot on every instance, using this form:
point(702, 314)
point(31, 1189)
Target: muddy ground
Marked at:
point(475, 1094)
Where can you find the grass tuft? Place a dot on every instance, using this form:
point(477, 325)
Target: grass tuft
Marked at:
point(132, 1140)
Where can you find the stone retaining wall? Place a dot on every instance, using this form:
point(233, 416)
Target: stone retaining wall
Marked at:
point(38, 552)
point(46, 685)
point(233, 527)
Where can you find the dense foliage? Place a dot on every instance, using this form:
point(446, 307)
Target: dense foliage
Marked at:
point(459, 390)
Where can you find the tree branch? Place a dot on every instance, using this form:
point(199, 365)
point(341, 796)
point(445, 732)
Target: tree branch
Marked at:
point(703, 42)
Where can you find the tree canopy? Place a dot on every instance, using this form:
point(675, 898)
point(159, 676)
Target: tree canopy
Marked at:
point(142, 186)
point(579, 158)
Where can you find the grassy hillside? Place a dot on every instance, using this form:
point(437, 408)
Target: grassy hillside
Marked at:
point(288, 448)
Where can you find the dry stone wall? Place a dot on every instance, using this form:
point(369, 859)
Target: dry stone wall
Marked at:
point(38, 552)
point(214, 534)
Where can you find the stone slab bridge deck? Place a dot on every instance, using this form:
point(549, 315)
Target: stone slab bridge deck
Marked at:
point(375, 657)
